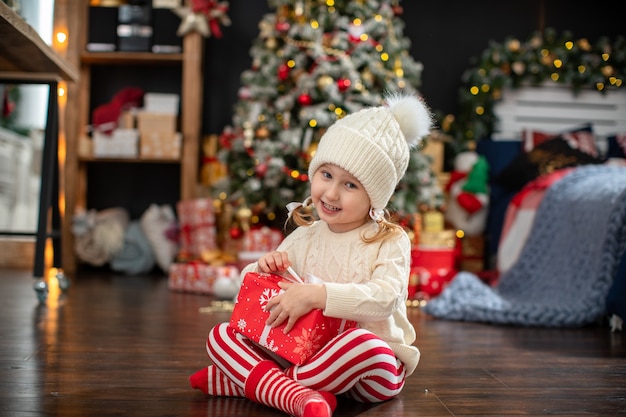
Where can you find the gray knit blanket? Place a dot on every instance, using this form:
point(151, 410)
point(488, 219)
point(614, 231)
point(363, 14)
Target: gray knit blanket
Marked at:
point(567, 266)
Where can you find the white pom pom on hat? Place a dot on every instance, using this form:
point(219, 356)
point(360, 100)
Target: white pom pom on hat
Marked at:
point(373, 144)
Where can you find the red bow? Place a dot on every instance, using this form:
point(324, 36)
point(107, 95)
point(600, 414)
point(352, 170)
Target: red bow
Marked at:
point(214, 12)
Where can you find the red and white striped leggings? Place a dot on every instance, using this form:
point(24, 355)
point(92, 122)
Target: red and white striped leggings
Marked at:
point(356, 362)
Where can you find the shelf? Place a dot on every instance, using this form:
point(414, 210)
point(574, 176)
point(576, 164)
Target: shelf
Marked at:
point(129, 58)
point(91, 159)
point(87, 176)
point(24, 55)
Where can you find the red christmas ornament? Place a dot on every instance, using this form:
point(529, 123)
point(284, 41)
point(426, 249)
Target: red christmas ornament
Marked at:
point(283, 72)
point(235, 232)
point(305, 99)
point(261, 170)
point(397, 10)
point(343, 84)
point(282, 26)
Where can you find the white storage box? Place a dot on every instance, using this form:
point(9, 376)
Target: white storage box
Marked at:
point(122, 143)
point(161, 103)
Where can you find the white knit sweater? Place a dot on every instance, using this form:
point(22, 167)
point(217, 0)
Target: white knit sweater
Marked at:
point(364, 282)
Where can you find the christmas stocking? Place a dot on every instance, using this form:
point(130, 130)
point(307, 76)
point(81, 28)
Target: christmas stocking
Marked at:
point(212, 381)
point(267, 384)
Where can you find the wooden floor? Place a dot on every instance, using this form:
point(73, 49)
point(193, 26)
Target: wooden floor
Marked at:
point(124, 346)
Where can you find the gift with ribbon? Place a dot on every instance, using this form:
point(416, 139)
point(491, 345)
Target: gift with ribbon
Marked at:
point(198, 234)
point(310, 333)
point(202, 278)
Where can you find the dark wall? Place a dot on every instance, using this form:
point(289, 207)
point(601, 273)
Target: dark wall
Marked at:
point(445, 35)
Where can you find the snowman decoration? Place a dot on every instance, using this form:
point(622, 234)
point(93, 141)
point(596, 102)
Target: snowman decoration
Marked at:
point(468, 203)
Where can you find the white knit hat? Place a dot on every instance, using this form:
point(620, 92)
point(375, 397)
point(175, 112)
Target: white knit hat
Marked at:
point(373, 144)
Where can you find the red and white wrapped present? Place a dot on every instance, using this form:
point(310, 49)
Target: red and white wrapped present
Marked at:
point(256, 243)
point(199, 277)
point(196, 218)
point(311, 332)
point(262, 239)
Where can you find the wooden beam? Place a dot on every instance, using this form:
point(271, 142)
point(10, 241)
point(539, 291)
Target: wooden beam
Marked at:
point(23, 50)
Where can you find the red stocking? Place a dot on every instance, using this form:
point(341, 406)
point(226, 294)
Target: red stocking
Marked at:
point(268, 385)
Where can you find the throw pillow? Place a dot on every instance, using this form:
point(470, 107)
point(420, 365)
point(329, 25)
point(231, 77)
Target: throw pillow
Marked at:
point(581, 138)
point(544, 158)
point(616, 146)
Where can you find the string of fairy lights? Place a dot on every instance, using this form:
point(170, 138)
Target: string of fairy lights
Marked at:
point(314, 62)
point(544, 57)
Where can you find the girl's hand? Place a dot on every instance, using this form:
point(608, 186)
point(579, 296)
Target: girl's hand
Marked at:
point(274, 262)
point(296, 301)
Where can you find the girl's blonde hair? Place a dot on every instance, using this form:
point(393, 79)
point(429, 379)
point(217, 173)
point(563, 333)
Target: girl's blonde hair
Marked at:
point(303, 216)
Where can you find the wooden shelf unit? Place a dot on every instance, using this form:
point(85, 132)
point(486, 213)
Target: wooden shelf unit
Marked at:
point(191, 62)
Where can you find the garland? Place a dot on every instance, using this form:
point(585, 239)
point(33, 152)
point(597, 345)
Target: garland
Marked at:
point(543, 57)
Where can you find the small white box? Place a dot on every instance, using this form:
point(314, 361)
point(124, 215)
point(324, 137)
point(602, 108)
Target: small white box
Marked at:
point(161, 103)
point(165, 4)
point(122, 143)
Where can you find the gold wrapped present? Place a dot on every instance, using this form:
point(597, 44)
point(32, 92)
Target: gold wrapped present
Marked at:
point(441, 239)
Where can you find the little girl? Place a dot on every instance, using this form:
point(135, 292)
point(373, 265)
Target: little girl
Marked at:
point(362, 262)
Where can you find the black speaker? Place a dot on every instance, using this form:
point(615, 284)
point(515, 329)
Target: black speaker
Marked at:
point(134, 30)
point(164, 37)
point(102, 35)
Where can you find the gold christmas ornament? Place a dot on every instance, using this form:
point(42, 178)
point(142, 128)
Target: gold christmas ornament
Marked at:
point(584, 44)
point(310, 152)
point(518, 67)
point(262, 132)
point(324, 81)
point(514, 45)
point(607, 71)
point(243, 215)
point(367, 76)
point(271, 43)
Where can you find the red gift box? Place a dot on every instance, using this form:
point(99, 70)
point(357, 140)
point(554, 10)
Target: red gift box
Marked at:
point(198, 277)
point(311, 332)
point(431, 270)
point(262, 239)
point(197, 226)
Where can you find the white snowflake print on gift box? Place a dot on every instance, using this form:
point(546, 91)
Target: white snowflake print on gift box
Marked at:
point(241, 325)
point(266, 296)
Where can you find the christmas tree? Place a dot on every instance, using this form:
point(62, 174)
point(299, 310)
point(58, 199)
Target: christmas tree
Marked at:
point(313, 63)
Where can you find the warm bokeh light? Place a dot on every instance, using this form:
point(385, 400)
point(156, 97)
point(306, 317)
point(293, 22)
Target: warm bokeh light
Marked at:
point(61, 37)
